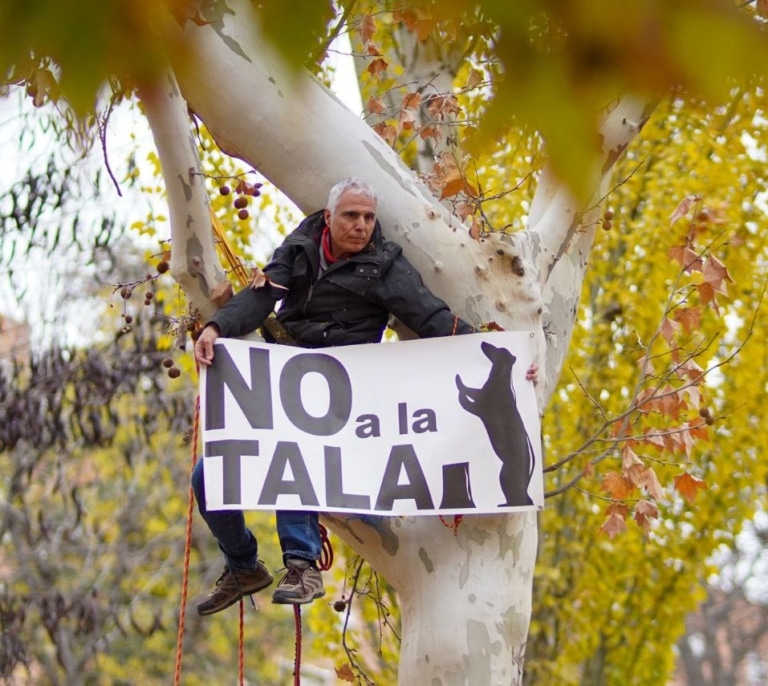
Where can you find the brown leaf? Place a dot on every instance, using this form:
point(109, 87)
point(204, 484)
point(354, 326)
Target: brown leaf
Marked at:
point(762, 8)
point(464, 210)
point(689, 317)
point(378, 66)
point(684, 207)
point(691, 370)
point(345, 673)
point(221, 293)
point(688, 259)
point(668, 329)
point(629, 458)
point(455, 185)
point(411, 101)
point(669, 403)
point(688, 486)
point(442, 106)
point(617, 485)
point(698, 429)
point(367, 28)
point(716, 272)
point(375, 105)
point(707, 295)
point(655, 439)
point(475, 77)
point(430, 132)
point(644, 512)
point(616, 522)
point(650, 482)
point(387, 132)
point(407, 119)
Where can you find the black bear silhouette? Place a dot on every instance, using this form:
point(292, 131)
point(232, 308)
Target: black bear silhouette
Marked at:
point(496, 406)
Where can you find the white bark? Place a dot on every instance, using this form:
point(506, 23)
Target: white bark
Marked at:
point(194, 264)
point(465, 598)
point(563, 231)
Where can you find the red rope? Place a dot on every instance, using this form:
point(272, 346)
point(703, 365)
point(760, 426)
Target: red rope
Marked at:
point(297, 658)
point(455, 526)
point(241, 651)
point(326, 551)
point(187, 548)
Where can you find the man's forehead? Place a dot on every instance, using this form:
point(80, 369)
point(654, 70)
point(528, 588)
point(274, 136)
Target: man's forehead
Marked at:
point(352, 198)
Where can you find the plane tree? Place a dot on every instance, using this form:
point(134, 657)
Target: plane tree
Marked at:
point(558, 95)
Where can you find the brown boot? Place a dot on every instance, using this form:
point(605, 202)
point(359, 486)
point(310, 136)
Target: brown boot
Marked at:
point(230, 587)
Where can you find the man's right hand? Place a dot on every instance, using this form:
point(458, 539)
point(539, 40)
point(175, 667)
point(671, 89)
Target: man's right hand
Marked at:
point(204, 345)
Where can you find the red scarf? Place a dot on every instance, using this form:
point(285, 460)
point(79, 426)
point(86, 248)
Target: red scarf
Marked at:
point(325, 241)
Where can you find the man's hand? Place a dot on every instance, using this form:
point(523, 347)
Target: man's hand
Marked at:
point(204, 345)
point(532, 374)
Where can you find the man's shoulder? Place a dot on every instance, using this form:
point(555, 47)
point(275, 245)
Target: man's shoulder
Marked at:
point(390, 250)
point(311, 225)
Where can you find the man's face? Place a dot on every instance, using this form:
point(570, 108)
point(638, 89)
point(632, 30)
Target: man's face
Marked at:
point(352, 223)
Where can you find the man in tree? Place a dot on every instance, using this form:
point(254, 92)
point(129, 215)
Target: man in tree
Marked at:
point(339, 281)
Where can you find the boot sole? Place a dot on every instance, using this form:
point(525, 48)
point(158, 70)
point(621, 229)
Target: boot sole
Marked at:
point(282, 600)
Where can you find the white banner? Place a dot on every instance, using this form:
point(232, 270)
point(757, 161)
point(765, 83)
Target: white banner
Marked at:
point(432, 426)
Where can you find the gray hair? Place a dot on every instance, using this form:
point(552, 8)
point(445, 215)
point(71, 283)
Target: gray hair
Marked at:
point(354, 185)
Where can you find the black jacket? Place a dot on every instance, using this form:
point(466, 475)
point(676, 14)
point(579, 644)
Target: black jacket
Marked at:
point(349, 303)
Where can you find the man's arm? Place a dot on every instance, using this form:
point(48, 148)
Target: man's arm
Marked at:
point(403, 293)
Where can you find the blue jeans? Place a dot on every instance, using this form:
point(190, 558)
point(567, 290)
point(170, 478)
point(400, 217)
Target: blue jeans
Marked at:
point(299, 532)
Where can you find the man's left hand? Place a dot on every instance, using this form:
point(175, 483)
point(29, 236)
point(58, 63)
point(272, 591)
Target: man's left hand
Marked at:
point(533, 373)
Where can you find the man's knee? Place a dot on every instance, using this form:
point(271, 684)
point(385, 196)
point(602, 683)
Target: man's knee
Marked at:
point(198, 481)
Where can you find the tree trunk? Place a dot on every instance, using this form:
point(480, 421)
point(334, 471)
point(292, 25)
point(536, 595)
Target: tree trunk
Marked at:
point(466, 596)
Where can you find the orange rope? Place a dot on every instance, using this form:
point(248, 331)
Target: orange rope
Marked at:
point(187, 548)
point(227, 253)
